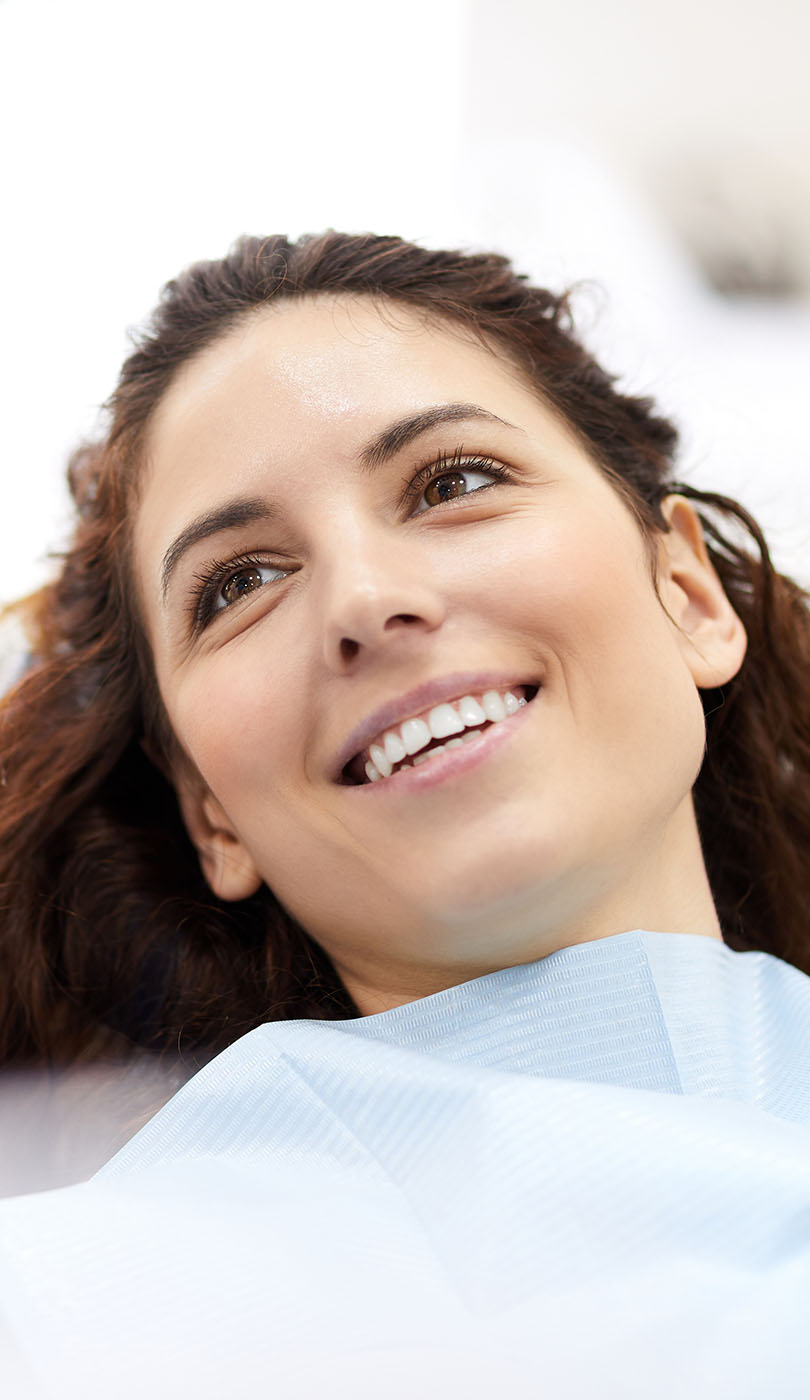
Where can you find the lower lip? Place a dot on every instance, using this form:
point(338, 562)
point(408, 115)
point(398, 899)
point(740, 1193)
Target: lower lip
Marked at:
point(451, 763)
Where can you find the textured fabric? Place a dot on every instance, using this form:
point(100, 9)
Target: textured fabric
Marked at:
point(589, 1176)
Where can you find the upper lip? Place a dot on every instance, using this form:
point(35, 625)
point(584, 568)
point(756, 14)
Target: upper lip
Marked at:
point(422, 697)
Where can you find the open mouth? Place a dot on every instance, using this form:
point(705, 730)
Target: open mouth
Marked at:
point(448, 725)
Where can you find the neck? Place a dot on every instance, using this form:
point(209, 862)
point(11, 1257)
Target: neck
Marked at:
point(666, 889)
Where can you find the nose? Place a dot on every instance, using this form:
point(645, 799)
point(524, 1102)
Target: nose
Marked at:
point(378, 593)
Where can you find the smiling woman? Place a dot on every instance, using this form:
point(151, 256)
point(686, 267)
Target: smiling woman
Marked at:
point(393, 688)
point(388, 483)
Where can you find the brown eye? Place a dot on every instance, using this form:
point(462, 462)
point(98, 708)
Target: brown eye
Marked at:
point(240, 584)
point(246, 580)
point(448, 485)
point(445, 488)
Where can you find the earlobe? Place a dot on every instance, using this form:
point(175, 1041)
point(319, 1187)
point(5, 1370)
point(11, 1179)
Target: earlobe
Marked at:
point(713, 636)
point(226, 864)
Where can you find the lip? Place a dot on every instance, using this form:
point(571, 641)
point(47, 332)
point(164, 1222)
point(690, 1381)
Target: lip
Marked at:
point(423, 697)
point(450, 764)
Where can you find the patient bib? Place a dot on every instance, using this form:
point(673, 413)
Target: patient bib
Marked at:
point(584, 1177)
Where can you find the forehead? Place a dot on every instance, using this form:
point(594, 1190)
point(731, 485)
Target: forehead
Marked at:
point(323, 364)
point(305, 381)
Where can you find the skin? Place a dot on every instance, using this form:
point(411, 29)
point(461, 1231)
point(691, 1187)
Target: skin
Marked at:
point(580, 828)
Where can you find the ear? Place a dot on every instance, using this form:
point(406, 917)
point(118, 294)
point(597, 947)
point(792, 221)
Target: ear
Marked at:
point(713, 637)
point(226, 864)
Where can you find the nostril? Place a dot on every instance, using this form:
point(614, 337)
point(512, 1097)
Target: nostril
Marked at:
point(348, 649)
point(401, 617)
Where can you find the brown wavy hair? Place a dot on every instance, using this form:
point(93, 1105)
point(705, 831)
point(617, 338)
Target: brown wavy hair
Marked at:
point(109, 935)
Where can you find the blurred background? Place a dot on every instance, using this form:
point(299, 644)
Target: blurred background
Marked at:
point(656, 155)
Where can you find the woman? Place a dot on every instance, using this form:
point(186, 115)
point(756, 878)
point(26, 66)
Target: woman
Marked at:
point(389, 658)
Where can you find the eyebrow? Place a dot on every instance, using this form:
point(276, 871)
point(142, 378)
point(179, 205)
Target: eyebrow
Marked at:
point(397, 435)
point(248, 511)
point(226, 517)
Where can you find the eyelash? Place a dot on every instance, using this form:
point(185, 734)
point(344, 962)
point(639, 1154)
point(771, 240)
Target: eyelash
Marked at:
point(208, 582)
point(445, 466)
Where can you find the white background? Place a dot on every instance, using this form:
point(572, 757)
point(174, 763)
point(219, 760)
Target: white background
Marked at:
point(590, 141)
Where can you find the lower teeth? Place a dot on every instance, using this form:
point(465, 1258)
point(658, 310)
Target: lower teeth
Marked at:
point(440, 748)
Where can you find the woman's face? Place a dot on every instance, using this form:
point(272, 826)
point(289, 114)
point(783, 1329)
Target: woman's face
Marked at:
point(350, 517)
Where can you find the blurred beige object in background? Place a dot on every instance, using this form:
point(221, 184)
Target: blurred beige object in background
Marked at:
point(705, 108)
point(744, 216)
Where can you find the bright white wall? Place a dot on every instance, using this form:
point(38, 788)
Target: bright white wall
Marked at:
point(697, 98)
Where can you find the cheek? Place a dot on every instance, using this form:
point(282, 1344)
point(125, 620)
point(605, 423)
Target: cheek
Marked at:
point(235, 727)
point(617, 656)
point(582, 588)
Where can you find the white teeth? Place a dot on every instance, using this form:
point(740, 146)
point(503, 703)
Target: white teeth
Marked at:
point(415, 734)
point(395, 750)
point(463, 718)
point(444, 720)
point(381, 762)
point(471, 711)
point(493, 705)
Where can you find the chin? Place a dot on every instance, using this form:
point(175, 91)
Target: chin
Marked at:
point(493, 903)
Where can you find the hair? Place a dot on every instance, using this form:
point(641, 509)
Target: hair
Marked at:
point(109, 935)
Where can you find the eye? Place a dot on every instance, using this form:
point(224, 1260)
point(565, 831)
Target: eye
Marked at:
point(444, 481)
point(223, 583)
point(243, 581)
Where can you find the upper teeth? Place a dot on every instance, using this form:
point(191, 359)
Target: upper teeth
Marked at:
point(440, 723)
